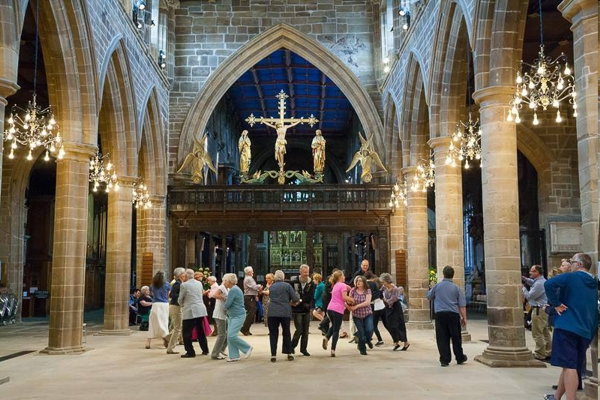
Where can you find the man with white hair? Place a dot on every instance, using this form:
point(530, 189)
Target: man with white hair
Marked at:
point(251, 290)
point(305, 289)
point(193, 310)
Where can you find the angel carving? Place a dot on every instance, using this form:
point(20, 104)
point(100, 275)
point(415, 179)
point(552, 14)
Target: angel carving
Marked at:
point(367, 157)
point(197, 159)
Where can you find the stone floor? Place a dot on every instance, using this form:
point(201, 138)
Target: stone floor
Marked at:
point(120, 368)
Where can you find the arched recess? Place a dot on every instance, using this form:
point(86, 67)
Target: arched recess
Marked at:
point(152, 150)
point(415, 116)
point(279, 36)
point(117, 121)
point(393, 154)
point(450, 71)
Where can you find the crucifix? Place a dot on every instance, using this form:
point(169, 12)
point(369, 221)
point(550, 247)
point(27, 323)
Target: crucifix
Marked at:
point(279, 125)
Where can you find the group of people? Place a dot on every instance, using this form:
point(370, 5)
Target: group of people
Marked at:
point(564, 319)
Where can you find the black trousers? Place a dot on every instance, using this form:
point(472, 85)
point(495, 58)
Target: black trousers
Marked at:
point(273, 324)
point(301, 323)
point(378, 315)
point(250, 305)
point(447, 327)
point(334, 330)
point(395, 323)
point(324, 325)
point(188, 326)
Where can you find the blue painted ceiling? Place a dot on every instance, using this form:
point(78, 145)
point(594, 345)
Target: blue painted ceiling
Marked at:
point(310, 91)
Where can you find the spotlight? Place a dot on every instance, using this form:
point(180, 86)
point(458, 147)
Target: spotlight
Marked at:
point(138, 24)
point(142, 4)
point(152, 24)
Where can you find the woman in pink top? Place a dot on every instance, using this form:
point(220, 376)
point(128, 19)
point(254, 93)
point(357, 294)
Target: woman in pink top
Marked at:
point(335, 309)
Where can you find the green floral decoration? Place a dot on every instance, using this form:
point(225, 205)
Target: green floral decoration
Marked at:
point(432, 274)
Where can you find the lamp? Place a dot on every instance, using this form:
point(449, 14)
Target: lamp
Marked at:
point(399, 194)
point(405, 15)
point(102, 171)
point(162, 59)
point(141, 198)
point(424, 177)
point(547, 84)
point(37, 127)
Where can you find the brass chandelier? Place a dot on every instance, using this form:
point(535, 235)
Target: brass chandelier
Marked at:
point(37, 128)
point(141, 198)
point(399, 194)
point(547, 84)
point(102, 171)
point(424, 176)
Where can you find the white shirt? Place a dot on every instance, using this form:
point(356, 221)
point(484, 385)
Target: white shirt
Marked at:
point(219, 311)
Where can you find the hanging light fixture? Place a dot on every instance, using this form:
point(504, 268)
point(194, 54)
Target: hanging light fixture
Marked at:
point(162, 59)
point(141, 198)
point(399, 195)
point(102, 171)
point(424, 176)
point(547, 84)
point(37, 127)
point(405, 15)
point(466, 141)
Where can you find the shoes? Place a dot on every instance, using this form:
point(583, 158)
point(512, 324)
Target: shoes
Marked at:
point(186, 355)
point(396, 347)
point(363, 353)
point(147, 346)
point(233, 359)
point(344, 335)
point(204, 353)
point(247, 355)
point(165, 342)
point(370, 344)
point(293, 351)
point(352, 341)
point(305, 353)
point(273, 359)
point(379, 343)
point(223, 354)
point(172, 352)
point(247, 333)
point(332, 353)
point(406, 346)
point(464, 360)
point(325, 343)
point(290, 357)
point(214, 334)
point(549, 396)
point(219, 357)
point(444, 364)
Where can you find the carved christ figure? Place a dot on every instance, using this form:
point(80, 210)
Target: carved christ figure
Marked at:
point(318, 150)
point(244, 146)
point(280, 143)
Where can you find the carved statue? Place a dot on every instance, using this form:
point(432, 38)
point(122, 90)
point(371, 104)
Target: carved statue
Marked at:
point(318, 150)
point(280, 142)
point(366, 156)
point(244, 146)
point(197, 159)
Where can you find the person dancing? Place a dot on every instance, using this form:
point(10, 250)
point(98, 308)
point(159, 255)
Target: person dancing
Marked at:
point(394, 314)
point(335, 309)
point(362, 314)
point(282, 296)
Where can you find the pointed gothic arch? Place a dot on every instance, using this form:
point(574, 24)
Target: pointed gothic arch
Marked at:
point(280, 36)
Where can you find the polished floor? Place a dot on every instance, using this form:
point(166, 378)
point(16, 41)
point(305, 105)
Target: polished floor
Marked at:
point(120, 368)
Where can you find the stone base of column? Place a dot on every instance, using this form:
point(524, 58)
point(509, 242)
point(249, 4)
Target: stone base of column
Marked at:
point(520, 357)
point(591, 388)
point(466, 336)
point(420, 325)
point(114, 332)
point(55, 351)
point(4, 380)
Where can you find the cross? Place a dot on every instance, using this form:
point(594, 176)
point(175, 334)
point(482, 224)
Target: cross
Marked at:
point(251, 120)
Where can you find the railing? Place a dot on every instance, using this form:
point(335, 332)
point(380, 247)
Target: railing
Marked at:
point(193, 198)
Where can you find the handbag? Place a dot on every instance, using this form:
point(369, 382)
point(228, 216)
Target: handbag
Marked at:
point(378, 305)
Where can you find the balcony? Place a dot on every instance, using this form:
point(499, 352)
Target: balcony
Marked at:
point(309, 198)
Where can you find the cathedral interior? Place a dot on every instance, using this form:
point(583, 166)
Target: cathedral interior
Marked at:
point(145, 135)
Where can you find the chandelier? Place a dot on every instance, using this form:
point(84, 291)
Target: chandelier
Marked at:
point(547, 84)
point(424, 176)
point(399, 194)
point(468, 143)
point(141, 198)
point(37, 128)
point(102, 171)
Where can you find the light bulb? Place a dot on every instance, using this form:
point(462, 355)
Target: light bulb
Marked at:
point(517, 119)
point(555, 103)
point(29, 156)
point(27, 117)
point(466, 164)
point(386, 60)
point(11, 155)
point(12, 129)
point(46, 157)
point(52, 121)
point(509, 118)
point(448, 160)
point(535, 119)
point(405, 27)
point(532, 105)
point(574, 106)
point(402, 13)
point(531, 85)
point(558, 117)
point(575, 113)
point(61, 153)
point(11, 120)
point(13, 145)
point(567, 70)
point(26, 126)
point(117, 187)
point(524, 92)
point(386, 69)
point(390, 204)
point(519, 79)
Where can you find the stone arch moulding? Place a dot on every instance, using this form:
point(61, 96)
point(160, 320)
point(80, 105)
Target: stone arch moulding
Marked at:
point(279, 36)
point(155, 157)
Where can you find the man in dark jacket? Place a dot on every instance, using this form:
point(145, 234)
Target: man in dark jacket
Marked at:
point(574, 296)
point(305, 288)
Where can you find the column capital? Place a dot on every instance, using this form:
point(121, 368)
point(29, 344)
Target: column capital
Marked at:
point(125, 180)
point(492, 95)
point(79, 151)
point(574, 9)
point(411, 169)
point(440, 143)
point(159, 198)
point(7, 88)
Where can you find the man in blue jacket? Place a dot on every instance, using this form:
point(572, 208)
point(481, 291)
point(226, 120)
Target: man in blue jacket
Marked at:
point(574, 297)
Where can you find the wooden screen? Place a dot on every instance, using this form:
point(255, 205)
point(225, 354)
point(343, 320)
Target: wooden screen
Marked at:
point(147, 265)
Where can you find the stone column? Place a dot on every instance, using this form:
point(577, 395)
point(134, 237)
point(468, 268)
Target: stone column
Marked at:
point(500, 192)
point(417, 258)
point(448, 215)
point(68, 261)
point(583, 14)
point(118, 259)
point(151, 237)
point(397, 237)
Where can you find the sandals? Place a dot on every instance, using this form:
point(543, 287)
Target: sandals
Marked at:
point(406, 346)
point(344, 335)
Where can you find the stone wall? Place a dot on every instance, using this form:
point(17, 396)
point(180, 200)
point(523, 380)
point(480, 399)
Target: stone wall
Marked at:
point(206, 34)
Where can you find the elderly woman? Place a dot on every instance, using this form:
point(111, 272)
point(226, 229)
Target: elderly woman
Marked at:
point(266, 296)
point(159, 314)
point(394, 314)
point(144, 306)
point(236, 314)
point(280, 312)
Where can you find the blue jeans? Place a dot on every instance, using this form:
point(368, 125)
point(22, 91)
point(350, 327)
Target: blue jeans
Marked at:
point(364, 330)
point(236, 343)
